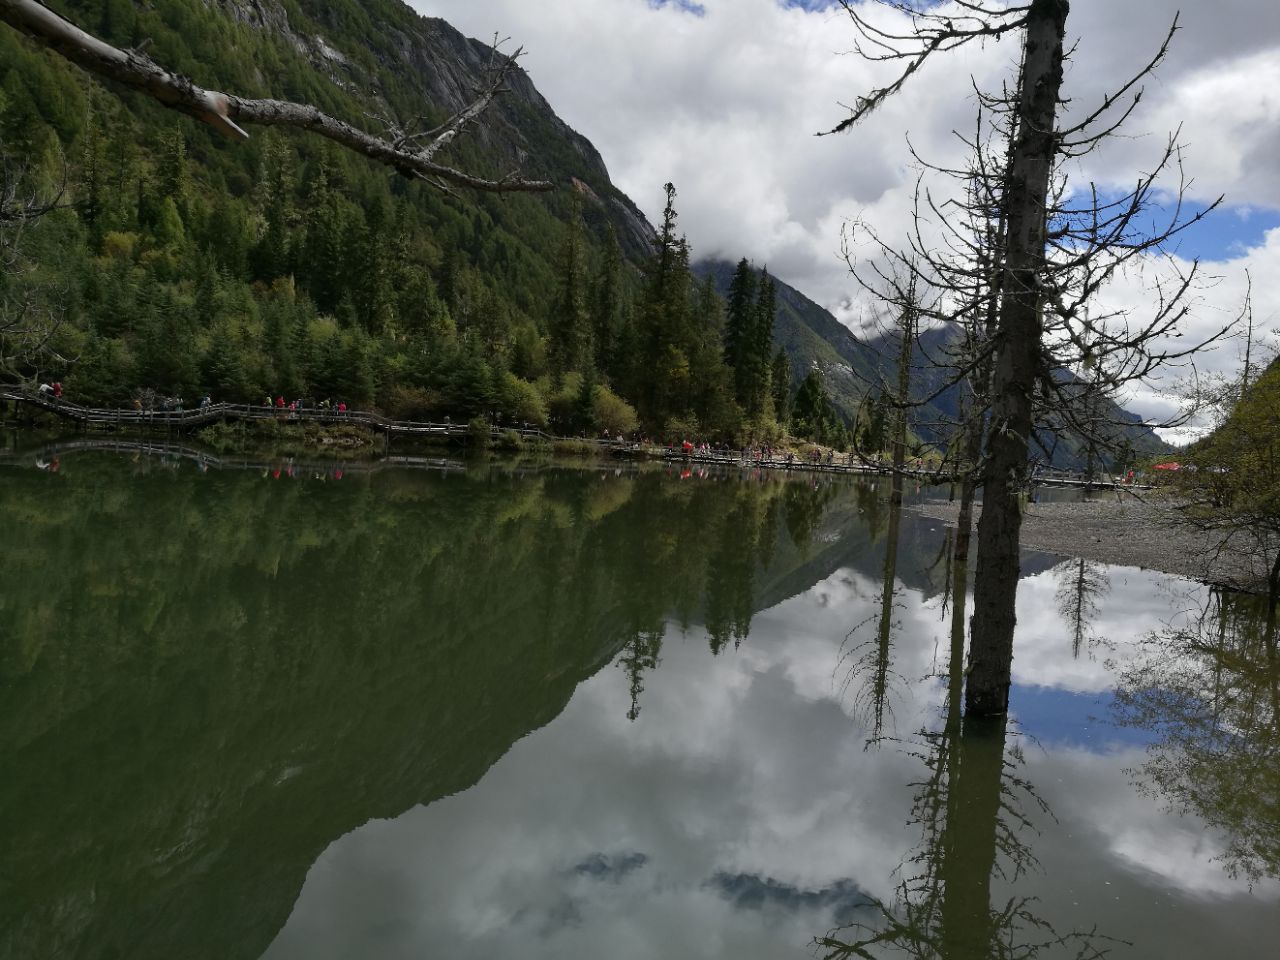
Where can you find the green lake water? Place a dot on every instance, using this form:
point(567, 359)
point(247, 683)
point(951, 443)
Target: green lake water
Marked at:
point(287, 711)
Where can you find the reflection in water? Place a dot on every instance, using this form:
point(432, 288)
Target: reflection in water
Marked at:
point(974, 809)
point(207, 678)
point(1210, 691)
point(868, 662)
point(1082, 584)
point(214, 686)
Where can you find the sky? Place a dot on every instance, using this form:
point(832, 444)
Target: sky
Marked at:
point(724, 98)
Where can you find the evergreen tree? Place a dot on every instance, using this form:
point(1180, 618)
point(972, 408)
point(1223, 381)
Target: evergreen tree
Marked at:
point(780, 387)
point(325, 262)
point(874, 433)
point(271, 256)
point(738, 328)
point(813, 415)
point(607, 307)
point(663, 366)
point(91, 186)
point(569, 326)
point(761, 345)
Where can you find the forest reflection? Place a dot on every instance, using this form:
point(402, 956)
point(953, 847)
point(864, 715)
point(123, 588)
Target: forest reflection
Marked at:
point(1209, 690)
point(208, 677)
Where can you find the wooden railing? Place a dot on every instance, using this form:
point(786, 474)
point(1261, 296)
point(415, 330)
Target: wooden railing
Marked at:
point(184, 419)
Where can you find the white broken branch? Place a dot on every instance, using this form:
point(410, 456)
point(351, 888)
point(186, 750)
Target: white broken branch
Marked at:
point(226, 112)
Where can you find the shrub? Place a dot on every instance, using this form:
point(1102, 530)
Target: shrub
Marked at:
point(478, 431)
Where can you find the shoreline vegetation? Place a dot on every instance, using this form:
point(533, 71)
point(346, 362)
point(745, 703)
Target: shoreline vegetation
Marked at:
point(356, 434)
point(356, 443)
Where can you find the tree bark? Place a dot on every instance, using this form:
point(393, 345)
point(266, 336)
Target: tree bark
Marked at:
point(1017, 363)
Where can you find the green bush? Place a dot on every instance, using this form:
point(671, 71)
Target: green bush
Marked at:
point(478, 431)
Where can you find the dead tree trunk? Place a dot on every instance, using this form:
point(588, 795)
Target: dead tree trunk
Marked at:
point(1017, 363)
point(907, 323)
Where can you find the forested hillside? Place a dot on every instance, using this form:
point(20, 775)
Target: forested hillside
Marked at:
point(182, 264)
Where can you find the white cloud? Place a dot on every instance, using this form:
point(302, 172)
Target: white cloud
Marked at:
point(726, 105)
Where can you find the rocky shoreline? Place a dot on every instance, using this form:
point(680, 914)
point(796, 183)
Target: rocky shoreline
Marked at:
point(1131, 531)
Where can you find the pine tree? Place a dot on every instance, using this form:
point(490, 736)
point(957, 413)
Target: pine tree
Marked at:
point(739, 321)
point(325, 262)
point(91, 185)
point(607, 307)
point(780, 387)
point(272, 254)
point(570, 324)
point(761, 345)
point(663, 367)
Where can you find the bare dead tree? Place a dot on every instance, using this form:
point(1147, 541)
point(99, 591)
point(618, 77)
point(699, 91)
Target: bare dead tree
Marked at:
point(413, 150)
point(1020, 264)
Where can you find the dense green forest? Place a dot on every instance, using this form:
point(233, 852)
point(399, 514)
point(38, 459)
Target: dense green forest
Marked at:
point(180, 265)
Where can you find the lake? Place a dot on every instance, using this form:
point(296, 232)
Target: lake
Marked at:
point(320, 711)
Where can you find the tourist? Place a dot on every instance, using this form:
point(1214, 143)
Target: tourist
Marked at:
point(57, 389)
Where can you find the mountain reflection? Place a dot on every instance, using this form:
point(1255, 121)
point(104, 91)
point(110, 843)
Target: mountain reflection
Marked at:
point(209, 677)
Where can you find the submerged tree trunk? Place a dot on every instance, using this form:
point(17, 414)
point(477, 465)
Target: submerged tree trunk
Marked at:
point(1017, 363)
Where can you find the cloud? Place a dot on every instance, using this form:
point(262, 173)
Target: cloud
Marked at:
point(725, 101)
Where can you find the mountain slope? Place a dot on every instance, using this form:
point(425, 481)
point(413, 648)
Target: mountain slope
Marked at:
point(188, 264)
point(815, 339)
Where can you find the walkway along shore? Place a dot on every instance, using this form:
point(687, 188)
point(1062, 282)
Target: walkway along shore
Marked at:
point(177, 422)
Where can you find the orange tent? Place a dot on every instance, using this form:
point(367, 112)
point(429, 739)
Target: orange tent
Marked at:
point(1167, 466)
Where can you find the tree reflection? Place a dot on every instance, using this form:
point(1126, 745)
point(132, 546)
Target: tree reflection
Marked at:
point(640, 654)
point(868, 662)
point(1211, 691)
point(1081, 585)
point(974, 810)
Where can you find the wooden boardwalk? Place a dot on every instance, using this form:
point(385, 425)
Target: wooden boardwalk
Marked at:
point(182, 421)
point(174, 422)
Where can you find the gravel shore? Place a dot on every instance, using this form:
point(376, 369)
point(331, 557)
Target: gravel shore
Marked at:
point(1131, 532)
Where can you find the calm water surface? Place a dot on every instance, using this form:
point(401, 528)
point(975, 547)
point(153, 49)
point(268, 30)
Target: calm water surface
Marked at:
point(281, 712)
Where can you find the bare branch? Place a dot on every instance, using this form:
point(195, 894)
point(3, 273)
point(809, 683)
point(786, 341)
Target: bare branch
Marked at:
point(226, 112)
